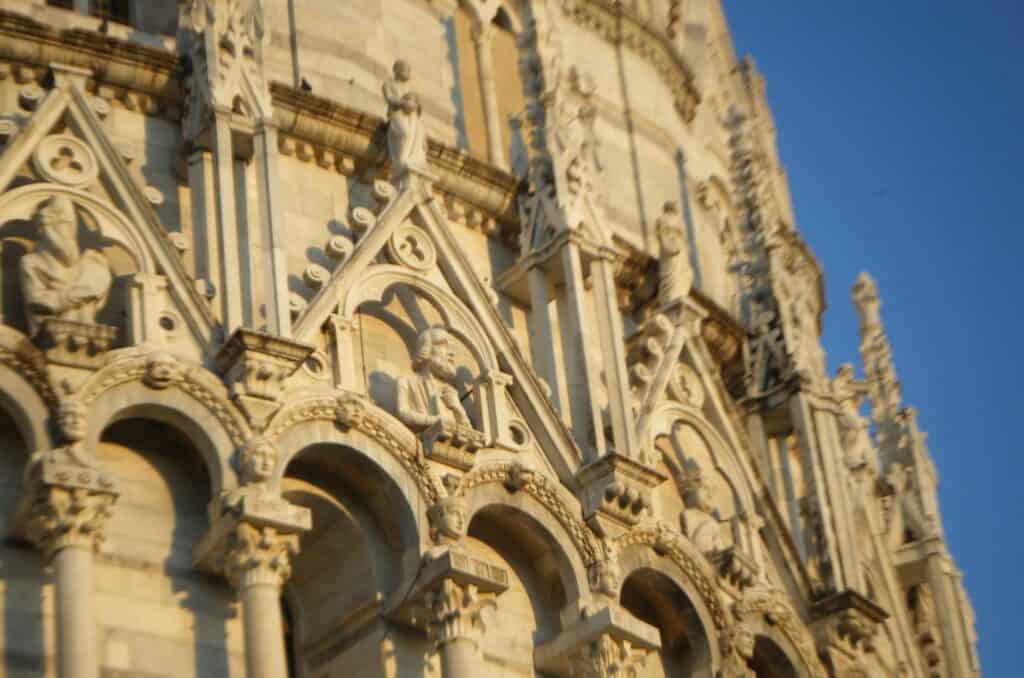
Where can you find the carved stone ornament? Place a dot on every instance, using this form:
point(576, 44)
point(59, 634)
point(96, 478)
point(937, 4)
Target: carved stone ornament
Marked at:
point(617, 492)
point(607, 642)
point(63, 517)
point(163, 370)
point(447, 517)
point(58, 280)
point(455, 612)
point(410, 246)
point(67, 160)
point(259, 555)
point(429, 404)
point(737, 651)
point(605, 575)
point(255, 367)
point(407, 135)
point(698, 522)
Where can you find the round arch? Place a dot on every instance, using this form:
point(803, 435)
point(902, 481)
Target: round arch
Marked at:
point(637, 558)
point(780, 634)
point(726, 460)
point(411, 515)
point(114, 225)
point(571, 554)
point(195, 403)
point(20, 400)
point(456, 317)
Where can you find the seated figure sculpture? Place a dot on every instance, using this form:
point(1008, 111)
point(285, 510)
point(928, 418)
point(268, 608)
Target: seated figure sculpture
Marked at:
point(427, 402)
point(699, 524)
point(58, 279)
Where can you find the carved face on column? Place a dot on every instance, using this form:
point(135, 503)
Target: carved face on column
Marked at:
point(447, 520)
point(258, 461)
point(434, 354)
point(73, 419)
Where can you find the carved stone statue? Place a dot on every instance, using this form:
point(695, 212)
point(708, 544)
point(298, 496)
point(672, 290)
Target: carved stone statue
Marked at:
point(427, 398)
point(675, 275)
point(58, 279)
point(924, 608)
point(407, 138)
point(699, 525)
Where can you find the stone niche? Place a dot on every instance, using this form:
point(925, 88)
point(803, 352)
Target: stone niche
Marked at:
point(388, 332)
point(99, 237)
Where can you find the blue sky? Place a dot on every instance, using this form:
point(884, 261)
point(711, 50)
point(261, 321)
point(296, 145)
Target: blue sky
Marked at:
point(897, 130)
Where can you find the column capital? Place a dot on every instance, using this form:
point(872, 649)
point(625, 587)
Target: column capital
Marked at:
point(259, 556)
point(62, 517)
point(607, 657)
point(254, 539)
point(455, 612)
point(607, 642)
point(65, 501)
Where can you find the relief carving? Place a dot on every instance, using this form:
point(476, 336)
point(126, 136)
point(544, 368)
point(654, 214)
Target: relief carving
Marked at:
point(429, 404)
point(698, 522)
point(58, 279)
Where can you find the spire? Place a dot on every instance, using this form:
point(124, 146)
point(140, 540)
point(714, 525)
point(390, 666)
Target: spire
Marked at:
point(876, 354)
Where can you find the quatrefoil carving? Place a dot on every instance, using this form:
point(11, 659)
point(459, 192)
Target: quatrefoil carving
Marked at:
point(410, 246)
point(64, 159)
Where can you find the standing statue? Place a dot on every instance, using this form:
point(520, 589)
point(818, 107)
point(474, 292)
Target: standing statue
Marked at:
point(675, 275)
point(407, 138)
point(427, 399)
point(699, 525)
point(58, 279)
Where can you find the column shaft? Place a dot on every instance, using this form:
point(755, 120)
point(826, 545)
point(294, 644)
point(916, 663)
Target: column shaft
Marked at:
point(264, 637)
point(460, 659)
point(489, 94)
point(76, 623)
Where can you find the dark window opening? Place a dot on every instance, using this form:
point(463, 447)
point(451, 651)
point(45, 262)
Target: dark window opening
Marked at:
point(63, 4)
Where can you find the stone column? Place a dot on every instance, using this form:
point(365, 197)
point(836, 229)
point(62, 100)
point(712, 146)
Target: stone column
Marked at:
point(489, 94)
point(67, 524)
point(605, 643)
point(456, 627)
point(258, 564)
point(620, 400)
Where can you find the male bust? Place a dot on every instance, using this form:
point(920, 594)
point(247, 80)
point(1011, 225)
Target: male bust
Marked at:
point(427, 399)
point(58, 279)
point(699, 525)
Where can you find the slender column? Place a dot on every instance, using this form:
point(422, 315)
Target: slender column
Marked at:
point(543, 343)
point(67, 523)
point(229, 286)
point(609, 326)
point(258, 564)
point(271, 205)
point(581, 374)
point(940, 576)
point(492, 116)
point(456, 627)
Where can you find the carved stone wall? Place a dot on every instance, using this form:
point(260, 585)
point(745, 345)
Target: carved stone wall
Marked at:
point(542, 393)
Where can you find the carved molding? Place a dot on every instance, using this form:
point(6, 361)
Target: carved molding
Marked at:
point(774, 607)
point(517, 478)
point(694, 566)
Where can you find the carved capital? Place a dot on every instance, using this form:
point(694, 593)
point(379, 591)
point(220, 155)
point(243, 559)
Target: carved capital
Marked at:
point(259, 555)
point(59, 517)
point(455, 612)
point(607, 657)
point(254, 539)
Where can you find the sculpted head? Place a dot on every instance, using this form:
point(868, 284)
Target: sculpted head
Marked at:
point(55, 221)
point(402, 70)
point(258, 461)
point(434, 353)
point(73, 419)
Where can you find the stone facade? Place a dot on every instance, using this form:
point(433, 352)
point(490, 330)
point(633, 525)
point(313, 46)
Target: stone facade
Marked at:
point(434, 338)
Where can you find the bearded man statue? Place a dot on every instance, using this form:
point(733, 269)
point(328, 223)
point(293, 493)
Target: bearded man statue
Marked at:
point(427, 398)
point(58, 279)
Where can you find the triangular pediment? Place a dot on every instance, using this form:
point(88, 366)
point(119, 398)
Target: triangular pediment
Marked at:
point(409, 246)
point(62, 151)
